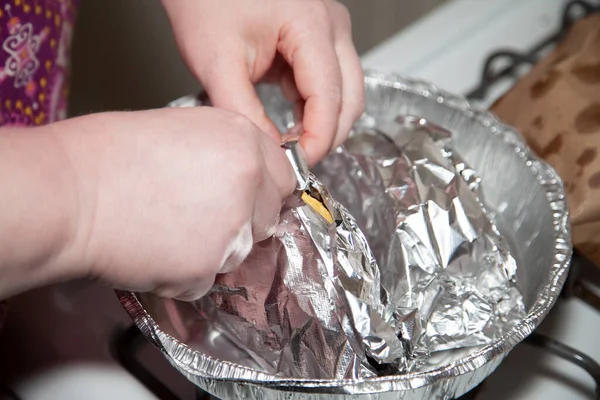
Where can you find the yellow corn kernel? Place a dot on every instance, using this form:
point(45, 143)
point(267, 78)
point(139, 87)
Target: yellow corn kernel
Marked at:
point(317, 206)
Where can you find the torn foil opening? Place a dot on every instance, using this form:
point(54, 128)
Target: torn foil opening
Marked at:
point(409, 267)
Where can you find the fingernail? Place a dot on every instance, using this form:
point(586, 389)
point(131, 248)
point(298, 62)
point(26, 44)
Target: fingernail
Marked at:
point(293, 133)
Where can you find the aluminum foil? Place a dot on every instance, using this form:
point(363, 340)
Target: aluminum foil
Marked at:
point(308, 302)
point(521, 194)
point(311, 301)
point(450, 274)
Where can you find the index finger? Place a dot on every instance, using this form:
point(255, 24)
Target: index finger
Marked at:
point(228, 85)
point(307, 45)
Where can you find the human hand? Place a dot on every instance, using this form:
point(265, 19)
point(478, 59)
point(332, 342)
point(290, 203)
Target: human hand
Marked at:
point(169, 198)
point(304, 45)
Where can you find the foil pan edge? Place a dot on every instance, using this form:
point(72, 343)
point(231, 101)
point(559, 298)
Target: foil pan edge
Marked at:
point(199, 367)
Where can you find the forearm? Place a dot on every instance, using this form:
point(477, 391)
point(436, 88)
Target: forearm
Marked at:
point(38, 210)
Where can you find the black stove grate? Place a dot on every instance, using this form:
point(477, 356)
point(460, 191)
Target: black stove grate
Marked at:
point(127, 344)
point(512, 61)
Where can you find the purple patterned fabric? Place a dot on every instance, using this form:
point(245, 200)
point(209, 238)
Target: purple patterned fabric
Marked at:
point(35, 40)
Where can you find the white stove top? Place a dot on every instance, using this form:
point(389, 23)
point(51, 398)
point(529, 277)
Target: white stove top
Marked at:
point(55, 342)
point(449, 46)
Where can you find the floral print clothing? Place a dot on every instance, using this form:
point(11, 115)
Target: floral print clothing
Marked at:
point(35, 38)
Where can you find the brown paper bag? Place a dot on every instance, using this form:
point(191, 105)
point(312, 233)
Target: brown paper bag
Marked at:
point(557, 108)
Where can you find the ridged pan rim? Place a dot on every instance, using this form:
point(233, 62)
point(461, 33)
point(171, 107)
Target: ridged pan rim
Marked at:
point(194, 363)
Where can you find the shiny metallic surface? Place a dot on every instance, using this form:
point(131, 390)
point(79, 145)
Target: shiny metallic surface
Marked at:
point(308, 301)
point(450, 275)
point(294, 153)
point(522, 196)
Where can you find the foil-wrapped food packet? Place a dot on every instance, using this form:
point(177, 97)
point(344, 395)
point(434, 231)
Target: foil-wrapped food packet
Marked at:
point(442, 259)
point(522, 195)
point(308, 301)
point(415, 268)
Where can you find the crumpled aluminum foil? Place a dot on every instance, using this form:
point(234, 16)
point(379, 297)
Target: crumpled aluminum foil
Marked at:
point(310, 302)
point(524, 197)
point(449, 272)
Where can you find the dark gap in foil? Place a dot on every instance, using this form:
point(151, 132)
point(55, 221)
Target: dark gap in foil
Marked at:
point(383, 369)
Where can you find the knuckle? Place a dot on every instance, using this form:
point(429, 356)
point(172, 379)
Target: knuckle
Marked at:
point(239, 124)
point(245, 150)
point(334, 94)
point(247, 174)
point(318, 13)
point(250, 171)
point(343, 15)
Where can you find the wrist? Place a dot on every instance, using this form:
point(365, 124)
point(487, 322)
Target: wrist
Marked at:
point(82, 144)
point(39, 210)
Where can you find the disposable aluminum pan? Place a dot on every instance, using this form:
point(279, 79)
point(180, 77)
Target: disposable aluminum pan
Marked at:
point(524, 196)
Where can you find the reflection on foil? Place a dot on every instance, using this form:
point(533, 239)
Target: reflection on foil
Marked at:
point(317, 301)
point(441, 257)
point(314, 305)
